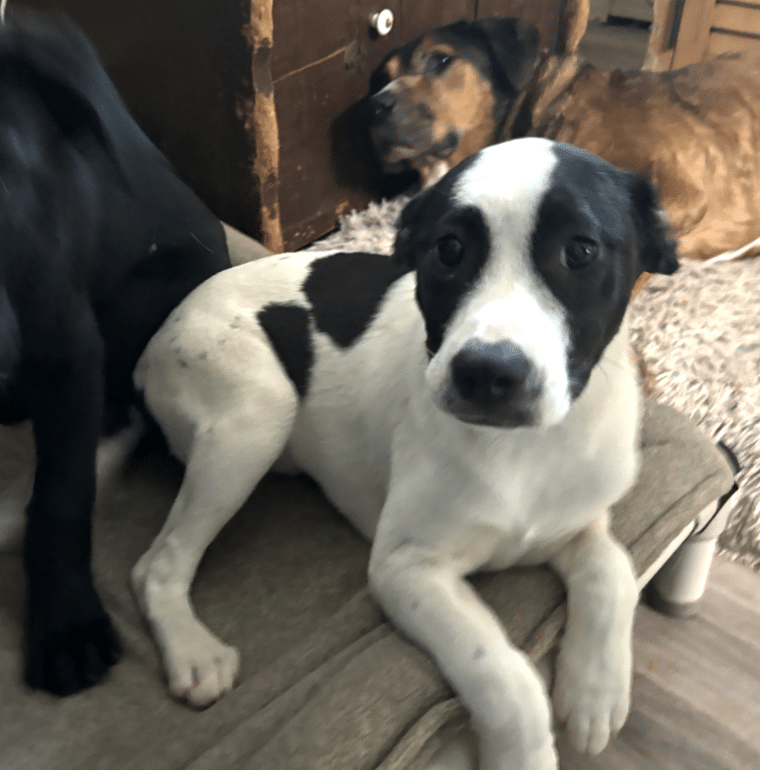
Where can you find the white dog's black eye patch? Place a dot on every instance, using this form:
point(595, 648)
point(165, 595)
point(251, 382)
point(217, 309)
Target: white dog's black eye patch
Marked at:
point(448, 244)
point(587, 246)
point(448, 265)
point(287, 327)
point(593, 290)
point(345, 291)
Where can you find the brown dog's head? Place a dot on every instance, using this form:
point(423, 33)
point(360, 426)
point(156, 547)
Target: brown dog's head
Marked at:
point(444, 96)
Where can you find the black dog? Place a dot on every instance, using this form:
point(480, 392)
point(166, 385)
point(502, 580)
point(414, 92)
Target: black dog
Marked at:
point(99, 240)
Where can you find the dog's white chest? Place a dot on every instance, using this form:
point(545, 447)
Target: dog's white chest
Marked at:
point(490, 498)
point(548, 491)
point(487, 498)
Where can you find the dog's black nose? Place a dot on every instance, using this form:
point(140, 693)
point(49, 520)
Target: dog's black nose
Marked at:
point(381, 105)
point(488, 374)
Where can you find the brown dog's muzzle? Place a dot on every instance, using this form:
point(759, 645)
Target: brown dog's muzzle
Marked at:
point(402, 131)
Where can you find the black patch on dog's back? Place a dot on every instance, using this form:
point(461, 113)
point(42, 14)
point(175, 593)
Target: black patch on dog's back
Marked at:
point(346, 289)
point(287, 327)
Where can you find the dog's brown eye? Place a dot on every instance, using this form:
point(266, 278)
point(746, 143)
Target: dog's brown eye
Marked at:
point(450, 251)
point(438, 62)
point(579, 253)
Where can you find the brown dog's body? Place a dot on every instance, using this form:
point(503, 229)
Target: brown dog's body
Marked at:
point(695, 131)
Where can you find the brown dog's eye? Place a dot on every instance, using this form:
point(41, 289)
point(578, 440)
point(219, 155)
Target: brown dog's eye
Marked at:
point(579, 252)
point(438, 62)
point(450, 251)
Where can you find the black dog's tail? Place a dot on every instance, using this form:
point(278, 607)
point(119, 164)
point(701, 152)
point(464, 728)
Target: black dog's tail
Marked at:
point(137, 437)
point(152, 439)
point(115, 450)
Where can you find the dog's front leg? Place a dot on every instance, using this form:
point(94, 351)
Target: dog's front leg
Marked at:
point(70, 640)
point(439, 610)
point(594, 669)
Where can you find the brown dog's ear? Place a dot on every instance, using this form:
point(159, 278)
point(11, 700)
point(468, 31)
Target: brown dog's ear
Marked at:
point(514, 48)
point(410, 223)
point(658, 246)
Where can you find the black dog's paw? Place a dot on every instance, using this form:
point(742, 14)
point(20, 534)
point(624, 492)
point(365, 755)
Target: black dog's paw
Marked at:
point(69, 648)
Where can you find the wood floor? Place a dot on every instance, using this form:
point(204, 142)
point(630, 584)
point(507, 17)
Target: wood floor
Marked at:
point(696, 691)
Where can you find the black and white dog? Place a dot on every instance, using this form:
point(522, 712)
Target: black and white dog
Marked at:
point(468, 405)
point(99, 240)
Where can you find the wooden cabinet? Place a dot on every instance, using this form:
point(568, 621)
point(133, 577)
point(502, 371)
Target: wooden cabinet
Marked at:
point(320, 64)
point(689, 31)
point(258, 102)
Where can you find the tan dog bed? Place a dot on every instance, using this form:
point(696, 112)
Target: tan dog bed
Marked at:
point(326, 682)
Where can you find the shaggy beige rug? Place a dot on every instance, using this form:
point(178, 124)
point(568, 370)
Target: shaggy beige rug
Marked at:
point(699, 333)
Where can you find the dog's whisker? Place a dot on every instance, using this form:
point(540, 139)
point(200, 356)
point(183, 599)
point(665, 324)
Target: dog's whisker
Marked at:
point(196, 238)
point(605, 364)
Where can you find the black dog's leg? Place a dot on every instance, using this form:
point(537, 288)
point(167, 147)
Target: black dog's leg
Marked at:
point(71, 642)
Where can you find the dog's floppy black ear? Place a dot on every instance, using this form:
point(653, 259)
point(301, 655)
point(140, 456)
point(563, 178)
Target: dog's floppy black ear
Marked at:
point(69, 109)
point(409, 223)
point(658, 246)
point(514, 47)
point(49, 56)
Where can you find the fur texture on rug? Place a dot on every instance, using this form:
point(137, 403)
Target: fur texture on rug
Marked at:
point(699, 332)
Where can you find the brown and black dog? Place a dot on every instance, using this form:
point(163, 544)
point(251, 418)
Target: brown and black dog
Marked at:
point(695, 131)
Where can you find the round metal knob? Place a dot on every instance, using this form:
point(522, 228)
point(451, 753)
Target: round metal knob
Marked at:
point(382, 22)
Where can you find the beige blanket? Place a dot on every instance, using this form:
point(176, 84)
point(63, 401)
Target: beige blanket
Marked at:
point(326, 683)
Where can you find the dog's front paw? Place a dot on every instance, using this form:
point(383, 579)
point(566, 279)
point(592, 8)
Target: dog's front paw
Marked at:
point(592, 696)
point(200, 667)
point(71, 643)
point(524, 740)
point(499, 757)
